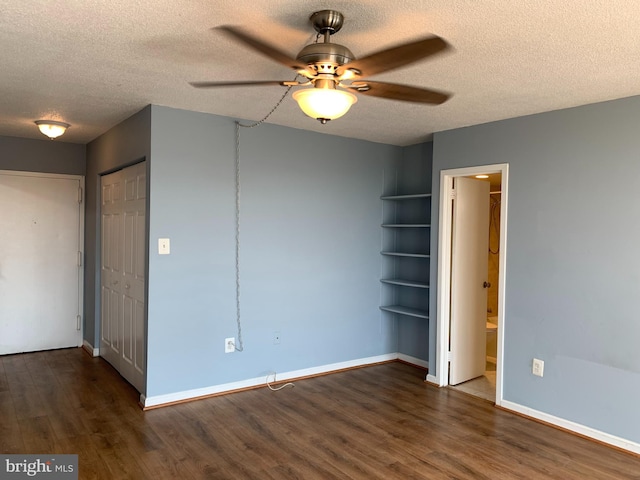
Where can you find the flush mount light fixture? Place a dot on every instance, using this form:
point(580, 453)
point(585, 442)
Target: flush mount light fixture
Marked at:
point(52, 128)
point(482, 176)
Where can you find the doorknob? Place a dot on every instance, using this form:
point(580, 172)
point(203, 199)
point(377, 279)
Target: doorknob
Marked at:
point(115, 282)
point(486, 285)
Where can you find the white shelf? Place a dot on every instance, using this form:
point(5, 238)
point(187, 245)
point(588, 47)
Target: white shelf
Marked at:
point(405, 283)
point(400, 254)
point(405, 197)
point(411, 312)
point(406, 225)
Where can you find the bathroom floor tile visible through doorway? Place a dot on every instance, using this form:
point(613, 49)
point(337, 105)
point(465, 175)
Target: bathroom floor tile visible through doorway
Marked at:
point(482, 387)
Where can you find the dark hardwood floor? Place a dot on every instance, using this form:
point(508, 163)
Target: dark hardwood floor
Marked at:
point(379, 422)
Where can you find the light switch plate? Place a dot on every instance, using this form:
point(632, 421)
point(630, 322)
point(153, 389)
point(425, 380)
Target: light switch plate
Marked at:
point(164, 246)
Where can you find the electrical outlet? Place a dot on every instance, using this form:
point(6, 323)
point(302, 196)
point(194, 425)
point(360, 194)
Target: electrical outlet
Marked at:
point(276, 338)
point(229, 345)
point(538, 367)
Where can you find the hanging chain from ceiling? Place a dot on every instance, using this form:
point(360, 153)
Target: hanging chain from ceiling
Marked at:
point(240, 344)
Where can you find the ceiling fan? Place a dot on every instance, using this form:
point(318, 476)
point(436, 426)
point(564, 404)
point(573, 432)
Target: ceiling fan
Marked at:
point(332, 72)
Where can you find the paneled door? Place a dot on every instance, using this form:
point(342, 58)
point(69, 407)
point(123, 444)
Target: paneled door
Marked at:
point(469, 273)
point(40, 261)
point(123, 272)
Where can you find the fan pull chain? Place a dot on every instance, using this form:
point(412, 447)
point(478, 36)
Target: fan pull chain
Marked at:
point(240, 345)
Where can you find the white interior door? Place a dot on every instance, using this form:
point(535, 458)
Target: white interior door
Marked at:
point(40, 261)
point(123, 272)
point(469, 271)
point(111, 268)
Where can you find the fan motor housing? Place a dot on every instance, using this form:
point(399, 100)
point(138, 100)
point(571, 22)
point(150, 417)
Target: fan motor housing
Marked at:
point(332, 53)
point(327, 21)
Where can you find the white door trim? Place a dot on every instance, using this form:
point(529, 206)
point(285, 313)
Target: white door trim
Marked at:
point(81, 259)
point(441, 376)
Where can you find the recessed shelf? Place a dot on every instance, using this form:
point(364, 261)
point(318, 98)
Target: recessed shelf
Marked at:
point(411, 312)
point(405, 283)
point(405, 197)
point(406, 225)
point(401, 254)
point(405, 275)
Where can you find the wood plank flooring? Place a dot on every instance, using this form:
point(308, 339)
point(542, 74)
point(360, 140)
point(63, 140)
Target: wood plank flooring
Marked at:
point(379, 422)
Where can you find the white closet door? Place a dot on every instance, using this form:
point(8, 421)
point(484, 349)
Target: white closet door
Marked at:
point(133, 273)
point(40, 272)
point(123, 272)
point(111, 268)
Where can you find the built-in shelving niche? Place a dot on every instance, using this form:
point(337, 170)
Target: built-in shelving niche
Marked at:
point(405, 254)
point(405, 250)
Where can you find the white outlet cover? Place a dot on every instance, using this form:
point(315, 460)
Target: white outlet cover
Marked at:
point(538, 367)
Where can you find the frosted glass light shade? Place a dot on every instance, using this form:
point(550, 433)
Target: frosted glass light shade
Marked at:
point(51, 128)
point(324, 103)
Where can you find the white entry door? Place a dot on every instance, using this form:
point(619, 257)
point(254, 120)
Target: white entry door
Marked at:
point(40, 261)
point(469, 272)
point(123, 271)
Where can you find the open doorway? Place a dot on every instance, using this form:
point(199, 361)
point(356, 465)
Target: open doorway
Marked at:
point(471, 279)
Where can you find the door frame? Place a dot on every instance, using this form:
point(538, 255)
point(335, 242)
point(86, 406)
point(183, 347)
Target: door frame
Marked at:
point(441, 377)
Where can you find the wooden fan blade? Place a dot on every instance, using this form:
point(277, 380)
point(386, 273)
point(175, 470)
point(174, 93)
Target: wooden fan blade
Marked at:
point(262, 47)
point(404, 93)
point(247, 83)
point(396, 57)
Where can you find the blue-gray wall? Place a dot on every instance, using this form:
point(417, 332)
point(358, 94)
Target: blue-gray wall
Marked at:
point(46, 156)
point(572, 268)
point(310, 262)
point(123, 145)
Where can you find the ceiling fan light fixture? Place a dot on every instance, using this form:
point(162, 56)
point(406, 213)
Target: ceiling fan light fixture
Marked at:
point(324, 104)
point(327, 65)
point(52, 128)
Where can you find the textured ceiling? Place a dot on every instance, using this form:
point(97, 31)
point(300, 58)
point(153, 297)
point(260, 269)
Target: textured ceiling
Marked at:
point(93, 63)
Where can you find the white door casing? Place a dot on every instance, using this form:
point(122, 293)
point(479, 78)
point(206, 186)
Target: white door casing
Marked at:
point(123, 271)
point(41, 244)
point(469, 272)
point(440, 374)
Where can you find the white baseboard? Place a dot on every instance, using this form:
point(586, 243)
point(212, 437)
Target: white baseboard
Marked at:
point(573, 427)
point(157, 400)
point(94, 352)
point(413, 361)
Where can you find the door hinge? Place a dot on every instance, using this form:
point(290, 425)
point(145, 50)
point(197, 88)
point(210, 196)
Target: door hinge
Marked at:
point(79, 259)
point(78, 322)
point(452, 194)
point(79, 194)
point(449, 356)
